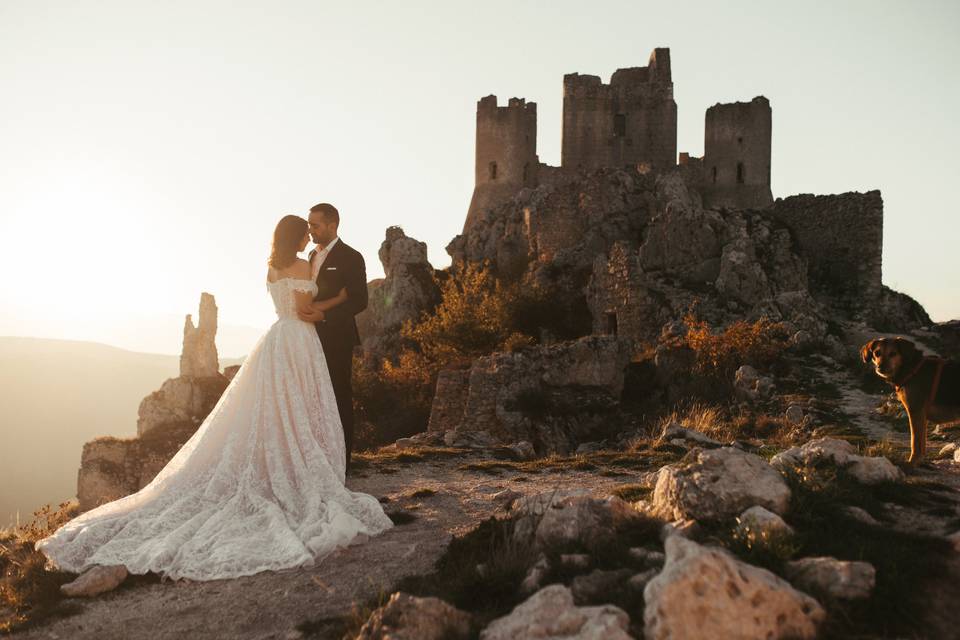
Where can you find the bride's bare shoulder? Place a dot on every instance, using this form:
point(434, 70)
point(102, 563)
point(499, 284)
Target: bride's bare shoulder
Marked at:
point(300, 269)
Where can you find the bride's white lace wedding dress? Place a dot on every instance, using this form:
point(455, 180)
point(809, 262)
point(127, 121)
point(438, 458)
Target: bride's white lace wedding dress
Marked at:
point(259, 486)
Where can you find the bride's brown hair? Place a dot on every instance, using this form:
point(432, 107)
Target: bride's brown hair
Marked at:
point(286, 241)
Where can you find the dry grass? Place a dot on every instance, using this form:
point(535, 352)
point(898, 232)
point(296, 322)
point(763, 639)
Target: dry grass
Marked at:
point(647, 455)
point(28, 592)
point(365, 459)
point(705, 418)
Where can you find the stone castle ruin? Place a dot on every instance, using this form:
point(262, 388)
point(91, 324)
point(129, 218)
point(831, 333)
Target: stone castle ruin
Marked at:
point(674, 217)
point(629, 123)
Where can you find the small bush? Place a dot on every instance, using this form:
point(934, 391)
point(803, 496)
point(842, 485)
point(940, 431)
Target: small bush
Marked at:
point(719, 355)
point(473, 319)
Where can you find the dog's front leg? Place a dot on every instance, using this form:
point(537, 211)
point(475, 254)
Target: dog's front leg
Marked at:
point(918, 434)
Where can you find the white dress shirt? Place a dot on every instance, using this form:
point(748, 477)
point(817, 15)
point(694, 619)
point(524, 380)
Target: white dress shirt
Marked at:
point(317, 260)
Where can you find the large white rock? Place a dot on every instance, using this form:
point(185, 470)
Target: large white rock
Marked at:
point(551, 614)
point(720, 483)
point(704, 592)
point(833, 578)
point(865, 469)
point(407, 617)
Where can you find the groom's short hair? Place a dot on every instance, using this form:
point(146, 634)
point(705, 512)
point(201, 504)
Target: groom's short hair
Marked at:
point(329, 212)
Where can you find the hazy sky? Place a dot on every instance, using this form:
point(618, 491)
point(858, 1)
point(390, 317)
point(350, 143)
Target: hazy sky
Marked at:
point(147, 149)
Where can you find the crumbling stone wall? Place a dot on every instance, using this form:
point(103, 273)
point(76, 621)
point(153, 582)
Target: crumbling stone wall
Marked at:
point(841, 238)
point(630, 121)
point(450, 400)
point(620, 302)
point(736, 160)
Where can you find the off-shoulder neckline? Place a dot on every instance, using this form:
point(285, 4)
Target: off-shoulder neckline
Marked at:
point(294, 279)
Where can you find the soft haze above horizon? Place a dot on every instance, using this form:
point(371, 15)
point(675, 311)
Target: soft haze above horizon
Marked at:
point(149, 148)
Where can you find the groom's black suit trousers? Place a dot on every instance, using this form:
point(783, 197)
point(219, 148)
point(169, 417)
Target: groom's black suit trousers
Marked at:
point(343, 268)
point(340, 364)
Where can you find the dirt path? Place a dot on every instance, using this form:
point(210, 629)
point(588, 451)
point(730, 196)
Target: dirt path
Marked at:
point(271, 604)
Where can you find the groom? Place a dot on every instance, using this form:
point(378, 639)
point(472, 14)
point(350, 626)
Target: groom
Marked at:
point(337, 266)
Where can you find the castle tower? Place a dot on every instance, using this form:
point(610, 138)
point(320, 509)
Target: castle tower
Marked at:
point(630, 121)
point(736, 155)
point(506, 153)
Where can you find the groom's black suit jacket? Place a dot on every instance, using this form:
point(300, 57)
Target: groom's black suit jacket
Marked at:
point(343, 267)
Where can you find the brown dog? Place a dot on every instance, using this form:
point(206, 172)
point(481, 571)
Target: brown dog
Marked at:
point(928, 387)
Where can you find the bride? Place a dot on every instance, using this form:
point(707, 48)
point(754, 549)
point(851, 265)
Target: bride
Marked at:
point(260, 485)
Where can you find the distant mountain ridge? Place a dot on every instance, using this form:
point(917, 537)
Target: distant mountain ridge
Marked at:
point(54, 396)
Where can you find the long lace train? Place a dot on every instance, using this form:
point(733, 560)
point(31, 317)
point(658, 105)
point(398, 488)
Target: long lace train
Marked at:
point(259, 486)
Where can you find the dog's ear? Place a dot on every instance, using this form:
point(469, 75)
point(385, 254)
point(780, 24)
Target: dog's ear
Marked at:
point(867, 349)
point(907, 348)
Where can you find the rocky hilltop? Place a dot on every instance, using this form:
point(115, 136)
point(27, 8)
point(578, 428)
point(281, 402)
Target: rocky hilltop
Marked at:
point(632, 407)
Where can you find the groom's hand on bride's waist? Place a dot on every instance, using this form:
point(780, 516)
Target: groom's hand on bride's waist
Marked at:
point(311, 315)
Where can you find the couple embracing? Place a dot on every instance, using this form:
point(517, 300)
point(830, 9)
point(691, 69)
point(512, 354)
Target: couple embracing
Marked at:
point(260, 484)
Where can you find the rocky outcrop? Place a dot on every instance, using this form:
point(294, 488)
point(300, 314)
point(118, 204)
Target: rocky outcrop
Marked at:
point(552, 396)
point(564, 224)
point(704, 592)
point(111, 468)
point(407, 290)
point(551, 614)
point(407, 617)
point(199, 356)
point(179, 402)
point(720, 483)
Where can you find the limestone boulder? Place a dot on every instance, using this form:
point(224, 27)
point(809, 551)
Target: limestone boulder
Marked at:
point(408, 617)
point(832, 578)
point(94, 581)
point(867, 470)
point(555, 523)
point(719, 483)
point(550, 614)
point(704, 592)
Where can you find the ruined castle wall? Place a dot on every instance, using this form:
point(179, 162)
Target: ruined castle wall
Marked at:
point(736, 160)
point(841, 237)
point(506, 153)
point(630, 121)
